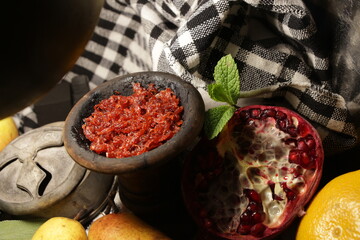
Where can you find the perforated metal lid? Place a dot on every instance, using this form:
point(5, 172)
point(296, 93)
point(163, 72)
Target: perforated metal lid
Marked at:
point(36, 172)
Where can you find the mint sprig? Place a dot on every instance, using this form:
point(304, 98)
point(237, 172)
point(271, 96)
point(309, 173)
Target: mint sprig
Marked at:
point(225, 89)
point(227, 85)
point(216, 118)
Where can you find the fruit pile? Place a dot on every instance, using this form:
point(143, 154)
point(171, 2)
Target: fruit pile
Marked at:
point(332, 214)
point(113, 226)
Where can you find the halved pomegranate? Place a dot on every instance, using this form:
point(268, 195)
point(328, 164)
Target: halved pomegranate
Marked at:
point(254, 178)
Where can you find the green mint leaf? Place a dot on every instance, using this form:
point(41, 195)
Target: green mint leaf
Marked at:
point(217, 92)
point(226, 74)
point(216, 118)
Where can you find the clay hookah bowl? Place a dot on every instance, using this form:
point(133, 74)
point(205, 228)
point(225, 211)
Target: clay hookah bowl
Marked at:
point(147, 182)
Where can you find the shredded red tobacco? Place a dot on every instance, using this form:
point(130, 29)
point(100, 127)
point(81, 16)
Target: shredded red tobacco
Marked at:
point(124, 126)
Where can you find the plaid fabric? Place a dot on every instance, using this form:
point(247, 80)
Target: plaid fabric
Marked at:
point(301, 52)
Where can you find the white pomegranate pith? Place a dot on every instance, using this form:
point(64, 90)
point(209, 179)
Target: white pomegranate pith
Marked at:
point(267, 162)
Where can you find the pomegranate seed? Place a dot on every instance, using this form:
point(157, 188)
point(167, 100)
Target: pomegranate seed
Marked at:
point(303, 129)
point(255, 113)
point(311, 164)
point(292, 131)
point(258, 229)
point(302, 146)
point(269, 113)
point(244, 115)
point(312, 153)
point(290, 195)
point(245, 218)
point(253, 207)
point(280, 115)
point(294, 156)
point(310, 142)
point(305, 160)
point(253, 195)
point(277, 197)
point(257, 217)
point(244, 229)
point(282, 124)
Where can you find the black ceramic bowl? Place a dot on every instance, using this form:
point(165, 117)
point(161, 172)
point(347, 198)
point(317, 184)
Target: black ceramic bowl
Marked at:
point(193, 117)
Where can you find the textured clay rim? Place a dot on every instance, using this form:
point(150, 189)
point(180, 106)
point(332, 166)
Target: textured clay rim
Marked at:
point(193, 117)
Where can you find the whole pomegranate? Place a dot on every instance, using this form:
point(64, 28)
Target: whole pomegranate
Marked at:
point(253, 179)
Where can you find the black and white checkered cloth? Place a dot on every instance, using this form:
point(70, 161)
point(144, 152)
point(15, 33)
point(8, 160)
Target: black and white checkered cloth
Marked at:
point(304, 52)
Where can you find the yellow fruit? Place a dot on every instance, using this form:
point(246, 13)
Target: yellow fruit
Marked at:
point(334, 213)
point(8, 131)
point(123, 226)
point(60, 228)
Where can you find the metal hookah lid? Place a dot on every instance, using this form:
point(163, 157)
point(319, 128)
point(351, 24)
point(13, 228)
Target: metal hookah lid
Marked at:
point(36, 171)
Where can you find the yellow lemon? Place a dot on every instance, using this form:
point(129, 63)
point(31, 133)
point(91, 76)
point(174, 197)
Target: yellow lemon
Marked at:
point(334, 213)
point(60, 228)
point(8, 131)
